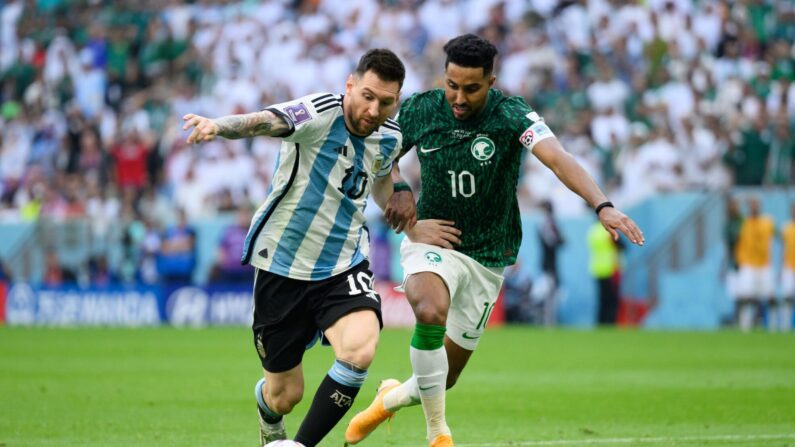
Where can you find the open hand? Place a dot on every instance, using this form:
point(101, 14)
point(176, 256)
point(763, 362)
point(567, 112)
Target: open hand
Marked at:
point(437, 232)
point(614, 221)
point(204, 129)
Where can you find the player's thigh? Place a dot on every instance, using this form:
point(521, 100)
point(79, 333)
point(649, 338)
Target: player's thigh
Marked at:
point(432, 276)
point(348, 310)
point(282, 327)
point(472, 306)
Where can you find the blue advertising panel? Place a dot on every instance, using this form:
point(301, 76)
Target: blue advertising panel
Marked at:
point(131, 306)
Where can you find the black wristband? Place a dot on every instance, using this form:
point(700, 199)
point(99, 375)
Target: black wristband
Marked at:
point(401, 186)
point(602, 205)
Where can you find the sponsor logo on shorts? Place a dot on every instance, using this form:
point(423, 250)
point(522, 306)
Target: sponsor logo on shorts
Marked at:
point(482, 148)
point(470, 337)
point(433, 258)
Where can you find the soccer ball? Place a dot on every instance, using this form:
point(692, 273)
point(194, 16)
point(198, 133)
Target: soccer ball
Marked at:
point(284, 443)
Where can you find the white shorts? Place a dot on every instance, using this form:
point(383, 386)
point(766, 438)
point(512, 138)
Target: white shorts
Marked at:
point(755, 283)
point(473, 287)
point(788, 282)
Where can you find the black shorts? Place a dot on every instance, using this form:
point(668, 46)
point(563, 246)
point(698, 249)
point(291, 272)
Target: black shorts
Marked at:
point(289, 312)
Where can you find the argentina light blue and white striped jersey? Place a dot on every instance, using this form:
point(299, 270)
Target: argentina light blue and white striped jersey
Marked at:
point(312, 224)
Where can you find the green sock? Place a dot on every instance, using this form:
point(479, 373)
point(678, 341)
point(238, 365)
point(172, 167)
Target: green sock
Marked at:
point(428, 337)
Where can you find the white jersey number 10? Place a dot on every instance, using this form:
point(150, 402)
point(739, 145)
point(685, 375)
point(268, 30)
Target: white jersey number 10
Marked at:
point(463, 183)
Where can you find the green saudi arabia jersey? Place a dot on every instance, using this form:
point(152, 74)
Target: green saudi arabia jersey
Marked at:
point(470, 169)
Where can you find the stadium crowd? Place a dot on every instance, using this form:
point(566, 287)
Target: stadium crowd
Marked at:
point(651, 96)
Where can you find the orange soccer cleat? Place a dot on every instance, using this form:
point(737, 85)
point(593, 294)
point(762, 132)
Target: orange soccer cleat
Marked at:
point(365, 422)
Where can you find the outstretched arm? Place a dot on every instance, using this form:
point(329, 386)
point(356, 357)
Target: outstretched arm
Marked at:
point(235, 126)
point(566, 168)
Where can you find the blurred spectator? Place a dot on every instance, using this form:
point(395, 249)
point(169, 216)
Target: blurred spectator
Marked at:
point(176, 257)
point(551, 240)
point(748, 156)
point(227, 266)
point(5, 273)
point(604, 267)
point(788, 272)
point(130, 156)
point(55, 275)
point(99, 273)
point(98, 92)
point(780, 168)
point(731, 234)
point(755, 281)
point(517, 285)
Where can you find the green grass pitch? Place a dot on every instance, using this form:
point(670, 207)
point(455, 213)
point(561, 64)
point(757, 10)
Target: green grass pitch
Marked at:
point(523, 387)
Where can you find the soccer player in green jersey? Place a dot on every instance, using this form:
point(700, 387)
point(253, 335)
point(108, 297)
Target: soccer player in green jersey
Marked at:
point(470, 139)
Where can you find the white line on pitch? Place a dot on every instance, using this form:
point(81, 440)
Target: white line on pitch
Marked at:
point(609, 441)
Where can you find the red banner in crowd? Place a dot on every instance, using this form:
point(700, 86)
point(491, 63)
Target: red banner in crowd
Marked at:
point(3, 289)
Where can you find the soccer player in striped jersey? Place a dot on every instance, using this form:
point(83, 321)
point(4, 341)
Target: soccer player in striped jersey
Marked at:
point(470, 139)
point(309, 242)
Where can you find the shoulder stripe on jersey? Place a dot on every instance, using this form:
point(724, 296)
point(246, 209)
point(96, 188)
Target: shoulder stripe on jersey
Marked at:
point(252, 238)
point(322, 97)
point(391, 121)
point(324, 102)
point(329, 107)
point(390, 126)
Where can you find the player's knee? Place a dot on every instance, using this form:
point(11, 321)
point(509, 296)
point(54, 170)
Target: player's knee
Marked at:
point(360, 357)
point(429, 313)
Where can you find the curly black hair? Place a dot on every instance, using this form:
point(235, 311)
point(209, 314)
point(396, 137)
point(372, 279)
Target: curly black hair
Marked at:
point(472, 51)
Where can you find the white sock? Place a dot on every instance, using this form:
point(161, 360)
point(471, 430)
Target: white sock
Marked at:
point(746, 316)
point(430, 369)
point(772, 317)
point(405, 395)
point(786, 316)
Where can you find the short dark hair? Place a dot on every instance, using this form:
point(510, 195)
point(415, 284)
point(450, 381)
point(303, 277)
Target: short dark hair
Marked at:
point(384, 63)
point(471, 51)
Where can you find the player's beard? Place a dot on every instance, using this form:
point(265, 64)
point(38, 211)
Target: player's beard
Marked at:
point(359, 127)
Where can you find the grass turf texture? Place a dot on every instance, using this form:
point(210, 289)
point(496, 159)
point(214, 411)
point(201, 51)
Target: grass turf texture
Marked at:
point(170, 387)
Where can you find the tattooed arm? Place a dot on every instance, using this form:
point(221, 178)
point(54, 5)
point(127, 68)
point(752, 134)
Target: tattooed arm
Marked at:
point(235, 126)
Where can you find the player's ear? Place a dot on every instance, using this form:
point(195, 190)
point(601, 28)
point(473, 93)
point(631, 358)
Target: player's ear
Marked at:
point(349, 84)
point(492, 80)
